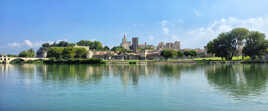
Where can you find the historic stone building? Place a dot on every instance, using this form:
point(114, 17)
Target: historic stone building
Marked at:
point(169, 45)
point(42, 52)
point(146, 46)
point(125, 44)
point(135, 43)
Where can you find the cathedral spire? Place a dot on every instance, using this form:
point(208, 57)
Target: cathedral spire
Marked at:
point(125, 38)
point(125, 44)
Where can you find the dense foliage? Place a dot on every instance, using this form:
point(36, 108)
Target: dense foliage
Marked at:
point(180, 53)
point(11, 55)
point(62, 44)
point(226, 45)
point(119, 49)
point(27, 53)
point(93, 45)
point(223, 46)
point(66, 52)
point(190, 53)
point(168, 53)
point(256, 45)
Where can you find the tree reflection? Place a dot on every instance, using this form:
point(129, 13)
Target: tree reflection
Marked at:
point(238, 80)
point(27, 71)
point(66, 73)
point(128, 74)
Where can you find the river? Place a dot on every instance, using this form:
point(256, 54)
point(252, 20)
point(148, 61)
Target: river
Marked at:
point(163, 87)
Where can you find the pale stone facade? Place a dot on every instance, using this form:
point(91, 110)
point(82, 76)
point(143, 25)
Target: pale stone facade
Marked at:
point(85, 47)
point(169, 45)
point(125, 44)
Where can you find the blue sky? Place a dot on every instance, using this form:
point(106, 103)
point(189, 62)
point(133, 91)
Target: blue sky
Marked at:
point(28, 23)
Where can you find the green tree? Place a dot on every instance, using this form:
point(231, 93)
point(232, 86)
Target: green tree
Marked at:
point(84, 43)
point(225, 45)
point(80, 52)
point(27, 53)
point(180, 53)
point(31, 53)
point(45, 45)
point(106, 48)
point(190, 53)
point(168, 53)
point(68, 53)
point(240, 34)
point(23, 54)
point(119, 49)
point(62, 44)
point(11, 55)
point(55, 52)
point(256, 45)
point(96, 45)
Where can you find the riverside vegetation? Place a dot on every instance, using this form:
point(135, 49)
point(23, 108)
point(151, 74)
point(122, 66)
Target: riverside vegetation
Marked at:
point(224, 48)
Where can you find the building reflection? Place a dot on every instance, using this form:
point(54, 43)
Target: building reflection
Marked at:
point(93, 74)
point(5, 68)
point(238, 80)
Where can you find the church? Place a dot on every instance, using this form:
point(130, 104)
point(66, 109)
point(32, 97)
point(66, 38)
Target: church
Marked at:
point(125, 44)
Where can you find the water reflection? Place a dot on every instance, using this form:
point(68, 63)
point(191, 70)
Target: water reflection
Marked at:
point(238, 80)
point(128, 74)
point(156, 87)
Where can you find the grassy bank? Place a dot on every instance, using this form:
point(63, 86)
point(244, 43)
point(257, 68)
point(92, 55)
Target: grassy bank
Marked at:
point(74, 61)
point(220, 59)
point(169, 61)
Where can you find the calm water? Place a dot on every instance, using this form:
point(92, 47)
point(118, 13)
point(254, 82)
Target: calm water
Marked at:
point(134, 88)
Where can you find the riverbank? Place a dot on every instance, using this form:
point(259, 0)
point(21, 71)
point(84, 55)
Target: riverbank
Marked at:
point(169, 61)
point(187, 61)
point(74, 61)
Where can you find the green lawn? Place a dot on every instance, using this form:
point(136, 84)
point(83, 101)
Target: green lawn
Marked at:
point(218, 58)
point(195, 59)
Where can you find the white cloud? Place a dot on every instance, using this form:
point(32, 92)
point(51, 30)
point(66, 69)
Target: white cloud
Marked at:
point(203, 35)
point(198, 37)
point(14, 44)
point(28, 43)
point(15, 47)
point(164, 26)
point(25, 43)
point(164, 23)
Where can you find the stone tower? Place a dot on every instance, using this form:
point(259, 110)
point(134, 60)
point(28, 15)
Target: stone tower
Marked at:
point(135, 43)
point(125, 44)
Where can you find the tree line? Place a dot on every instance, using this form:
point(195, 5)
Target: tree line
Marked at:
point(93, 45)
point(170, 53)
point(239, 41)
point(66, 52)
point(27, 53)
